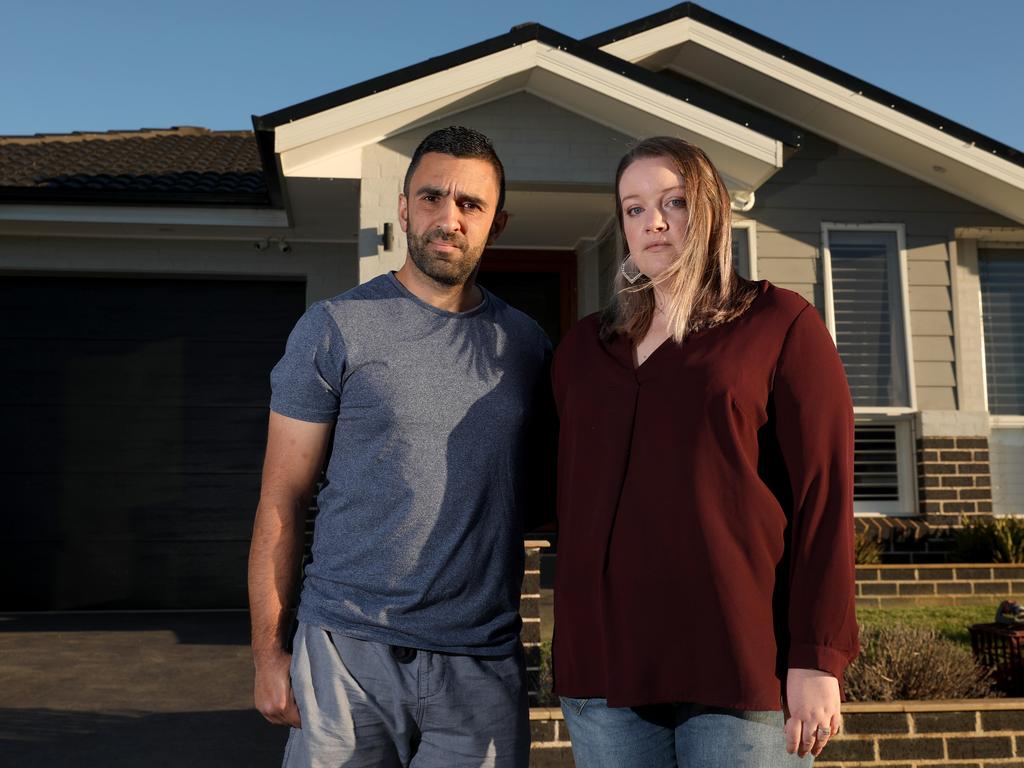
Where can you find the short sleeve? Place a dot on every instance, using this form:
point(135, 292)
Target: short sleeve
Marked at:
point(306, 382)
point(814, 427)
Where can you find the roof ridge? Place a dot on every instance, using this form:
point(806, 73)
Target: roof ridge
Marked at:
point(114, 135)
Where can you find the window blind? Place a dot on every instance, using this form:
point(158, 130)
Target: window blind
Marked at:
point(1002, 311)
point(868, 310)
point(875, 463)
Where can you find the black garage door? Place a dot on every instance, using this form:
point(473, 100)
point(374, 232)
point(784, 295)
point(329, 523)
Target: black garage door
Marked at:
point(134, 419)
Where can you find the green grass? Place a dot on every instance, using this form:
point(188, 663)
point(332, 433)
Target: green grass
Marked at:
point(949, 621)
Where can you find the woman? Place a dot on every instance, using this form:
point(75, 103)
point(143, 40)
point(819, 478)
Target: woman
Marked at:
point(705, 505)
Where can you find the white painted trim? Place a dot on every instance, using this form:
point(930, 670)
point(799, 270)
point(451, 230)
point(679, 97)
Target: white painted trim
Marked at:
point(1009, 419)
point(751, 226)
point(830, 314)
point(96, 214)
point(906, 469)
point(1004, 422)
point(675, 33)
point(372, 118)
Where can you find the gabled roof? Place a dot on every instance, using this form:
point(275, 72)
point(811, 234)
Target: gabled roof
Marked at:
point(691, 10)
point(329, 131)
point(826, 101)
point(180, 166)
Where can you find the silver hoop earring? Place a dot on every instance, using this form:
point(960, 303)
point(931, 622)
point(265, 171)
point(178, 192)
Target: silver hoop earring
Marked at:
point(630, 270)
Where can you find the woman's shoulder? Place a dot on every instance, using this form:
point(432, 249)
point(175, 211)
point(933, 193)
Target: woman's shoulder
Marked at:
point(585, 331)
point(782, 304)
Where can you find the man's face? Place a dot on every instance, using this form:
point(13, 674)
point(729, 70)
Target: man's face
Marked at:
point(450, 215)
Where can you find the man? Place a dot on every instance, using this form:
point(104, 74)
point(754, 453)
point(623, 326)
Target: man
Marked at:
point(407, 649)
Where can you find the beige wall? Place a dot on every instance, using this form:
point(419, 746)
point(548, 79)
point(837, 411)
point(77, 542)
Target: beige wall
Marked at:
point(823, 182)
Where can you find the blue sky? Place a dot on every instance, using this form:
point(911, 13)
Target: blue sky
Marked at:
point(113, 64)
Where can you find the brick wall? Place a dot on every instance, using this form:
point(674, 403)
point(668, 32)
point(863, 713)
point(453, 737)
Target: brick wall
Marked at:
point(954, 479)
point(969, 733)
point(883, 586)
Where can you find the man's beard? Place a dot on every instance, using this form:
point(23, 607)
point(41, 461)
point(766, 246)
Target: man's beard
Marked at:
point(453, 270)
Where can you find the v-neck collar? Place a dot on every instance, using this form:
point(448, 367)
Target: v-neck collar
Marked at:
point(620, 346)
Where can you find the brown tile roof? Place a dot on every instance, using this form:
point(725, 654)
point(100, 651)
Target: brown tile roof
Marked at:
point(176, 165)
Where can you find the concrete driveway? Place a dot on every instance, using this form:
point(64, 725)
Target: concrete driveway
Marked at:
point(130, 689)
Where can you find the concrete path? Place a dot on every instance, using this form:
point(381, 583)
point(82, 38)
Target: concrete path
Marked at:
point(130, 689)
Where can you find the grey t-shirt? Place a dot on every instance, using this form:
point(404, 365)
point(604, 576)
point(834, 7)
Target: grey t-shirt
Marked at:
point(419, 537)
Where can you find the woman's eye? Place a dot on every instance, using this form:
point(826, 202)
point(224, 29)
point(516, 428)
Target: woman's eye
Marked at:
point(634, 210)
point(677, 202)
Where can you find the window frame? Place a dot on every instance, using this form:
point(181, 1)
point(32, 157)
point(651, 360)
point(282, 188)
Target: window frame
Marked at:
point(904, 300)
point(751, 227)
point(906, 469)
point(1003, 419)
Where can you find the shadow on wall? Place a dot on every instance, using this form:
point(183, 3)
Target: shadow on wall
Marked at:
point(44, 737)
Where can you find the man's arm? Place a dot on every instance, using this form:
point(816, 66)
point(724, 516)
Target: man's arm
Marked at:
point(295, 455)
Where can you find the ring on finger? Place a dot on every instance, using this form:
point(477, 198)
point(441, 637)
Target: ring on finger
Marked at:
point(822, 732)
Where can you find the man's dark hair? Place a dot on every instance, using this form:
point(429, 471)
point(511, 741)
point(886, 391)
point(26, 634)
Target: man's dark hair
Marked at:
point(458, 141)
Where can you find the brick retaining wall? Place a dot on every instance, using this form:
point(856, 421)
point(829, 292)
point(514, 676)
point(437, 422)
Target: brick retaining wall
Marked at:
point(965, 733)
point(529, 610)
point(885, 586)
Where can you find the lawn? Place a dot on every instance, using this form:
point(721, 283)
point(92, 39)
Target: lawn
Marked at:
point(950, 621)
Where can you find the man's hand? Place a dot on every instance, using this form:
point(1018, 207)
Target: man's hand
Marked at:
point(273, 693)
point(813, 703)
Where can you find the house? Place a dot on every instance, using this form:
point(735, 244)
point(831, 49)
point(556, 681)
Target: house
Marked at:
point(149, 279)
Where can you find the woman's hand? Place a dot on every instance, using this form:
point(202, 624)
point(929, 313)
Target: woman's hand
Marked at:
point(813, 710)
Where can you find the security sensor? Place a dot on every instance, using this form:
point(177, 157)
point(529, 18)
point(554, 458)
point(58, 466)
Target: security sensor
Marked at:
point(262, 245)
point(284, 246)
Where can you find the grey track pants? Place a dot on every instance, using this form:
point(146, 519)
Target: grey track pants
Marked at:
point(364, 703)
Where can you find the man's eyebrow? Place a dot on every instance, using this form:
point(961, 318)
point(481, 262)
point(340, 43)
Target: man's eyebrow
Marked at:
point(432, 191)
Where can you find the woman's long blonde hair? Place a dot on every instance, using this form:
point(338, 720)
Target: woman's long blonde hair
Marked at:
point(701, 286)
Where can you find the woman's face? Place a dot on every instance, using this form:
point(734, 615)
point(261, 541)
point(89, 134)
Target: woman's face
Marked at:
point(654, 213)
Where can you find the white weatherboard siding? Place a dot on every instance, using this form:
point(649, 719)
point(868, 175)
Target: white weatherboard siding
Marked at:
point(824, 182)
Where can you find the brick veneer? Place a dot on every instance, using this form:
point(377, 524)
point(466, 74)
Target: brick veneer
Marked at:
point(884, 586)
point(967, 733)
point(954, 479)
point(529, 610)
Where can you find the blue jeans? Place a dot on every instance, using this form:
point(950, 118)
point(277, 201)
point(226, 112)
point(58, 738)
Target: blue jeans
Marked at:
point(671, 735)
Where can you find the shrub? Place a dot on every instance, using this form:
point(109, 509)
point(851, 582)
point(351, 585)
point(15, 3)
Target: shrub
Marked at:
point(867, 550)
point(898, 661)
point(998, 540)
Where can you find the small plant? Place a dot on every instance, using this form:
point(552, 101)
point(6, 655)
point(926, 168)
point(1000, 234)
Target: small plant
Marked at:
point(992, 540)
point(899, 661)
point(545, 682)
point(867, 550)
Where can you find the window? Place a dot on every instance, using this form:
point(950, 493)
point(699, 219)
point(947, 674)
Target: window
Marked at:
point(744, 247)
point(867, 313)
point(866, 309)
point(1001, 274)
point(883, 468)
point(1002, 313)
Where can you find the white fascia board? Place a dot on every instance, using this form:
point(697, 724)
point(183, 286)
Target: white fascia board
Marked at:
point(651, 101)
point(95, 214)
point(325, 143)
point(674, 34)
point(463, 79)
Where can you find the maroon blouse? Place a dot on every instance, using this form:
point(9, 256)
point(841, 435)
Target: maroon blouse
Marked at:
point(705, 511)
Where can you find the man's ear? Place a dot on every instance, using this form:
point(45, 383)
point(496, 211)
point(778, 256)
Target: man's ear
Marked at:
point(403, 212)
point(497, 226)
